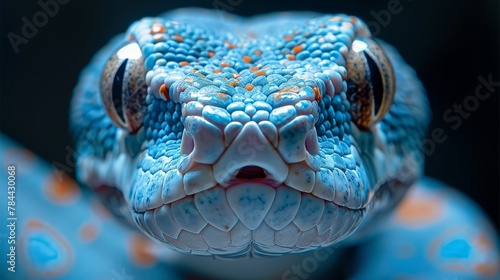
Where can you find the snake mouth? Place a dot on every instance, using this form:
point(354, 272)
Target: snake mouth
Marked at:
point(251, 172)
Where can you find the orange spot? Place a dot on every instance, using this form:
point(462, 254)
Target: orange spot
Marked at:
point(415, 210)
point(28, 154)
point(183, 63)
point(297, 49)
point(236, 76)
point(158, 37)
point(224, 64)
point(61, 188)
point(34, 223)
point(164, 92)
point(88, 232)
point(188, 79)
point(229, 45)
point(249, 87)
point(131, 37)
point(353, 19)
point(178, 39)
point(317, 95)
point(217, 71)
point(257, 52)
point(254, 68)
point(486, 269)
point(234, 83)
point(222, 95)
point(157, 28)
point(260, 73)
point(290, 57)
point(247, 59)
point(288, 37)
point(483, 241)
point(140, 251)
point(211, 54)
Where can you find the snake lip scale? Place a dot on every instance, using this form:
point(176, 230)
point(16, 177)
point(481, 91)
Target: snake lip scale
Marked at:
point(261, 136)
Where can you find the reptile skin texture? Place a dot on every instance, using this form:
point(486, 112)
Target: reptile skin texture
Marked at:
point(217, 147)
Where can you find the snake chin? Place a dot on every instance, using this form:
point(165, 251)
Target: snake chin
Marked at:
point(249, 219)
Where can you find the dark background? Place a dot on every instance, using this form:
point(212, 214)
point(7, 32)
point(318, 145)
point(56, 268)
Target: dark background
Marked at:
point(449, 43)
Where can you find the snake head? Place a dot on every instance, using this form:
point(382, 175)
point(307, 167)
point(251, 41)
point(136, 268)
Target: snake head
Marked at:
point(230, 143)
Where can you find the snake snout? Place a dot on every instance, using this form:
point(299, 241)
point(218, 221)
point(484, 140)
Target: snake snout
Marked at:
point(250, 157)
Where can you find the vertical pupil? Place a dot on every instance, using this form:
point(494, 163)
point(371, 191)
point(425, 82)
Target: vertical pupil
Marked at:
point(117, 89)
point(376, 82)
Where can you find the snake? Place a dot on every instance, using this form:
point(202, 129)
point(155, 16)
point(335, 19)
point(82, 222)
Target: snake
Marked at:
point(220, 136)
point(212, 146)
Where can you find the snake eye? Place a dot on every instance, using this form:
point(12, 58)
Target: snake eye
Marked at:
point(123, 87)
point(370, 82)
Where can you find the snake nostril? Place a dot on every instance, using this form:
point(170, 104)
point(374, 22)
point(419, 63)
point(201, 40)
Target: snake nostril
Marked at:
point(251, 172)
